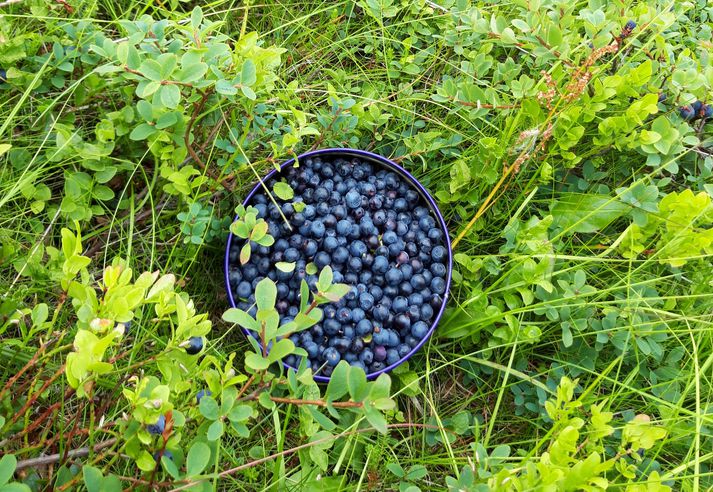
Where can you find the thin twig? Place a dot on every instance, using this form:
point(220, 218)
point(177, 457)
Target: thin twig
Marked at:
point(74, 453)
point(29, 364)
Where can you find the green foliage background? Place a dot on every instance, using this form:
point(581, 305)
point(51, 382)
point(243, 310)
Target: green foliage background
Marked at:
point(577, 349)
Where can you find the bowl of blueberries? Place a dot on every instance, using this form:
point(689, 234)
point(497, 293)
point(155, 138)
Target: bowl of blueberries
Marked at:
point(381, 233)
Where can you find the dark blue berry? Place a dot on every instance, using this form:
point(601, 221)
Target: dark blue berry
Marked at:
point(193, 345)
point(353, 199)
point(379, 353)
point(419, 329)
point(331, 356)
point(687, 112)
point(158, 427)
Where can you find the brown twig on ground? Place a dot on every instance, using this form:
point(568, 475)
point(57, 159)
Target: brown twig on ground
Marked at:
point(30, 401)
point(29, 364)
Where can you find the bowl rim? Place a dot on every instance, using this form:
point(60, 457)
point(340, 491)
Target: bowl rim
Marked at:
point(385, 162)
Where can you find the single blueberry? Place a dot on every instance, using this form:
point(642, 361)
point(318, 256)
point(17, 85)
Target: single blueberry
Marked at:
point(403, 350)
point(380, 312)
point(366, 301)
point(331, 326)
point(358, 249)
point(706, 111)
point(438, 285)
point(330, 243)
point(158, 427)
point(379, 353)
point(687, 112)
point(419, 329)
point(244, 290)
point(291, 254)
point(344, 315)
point(426, 312)
point(402, 322)
point(418, 281)
point(354, 264)
point(630, 25)
point(439, 254)
point(366, 356)
point(363, 328)
point(438, 270)
point(331, 356)
point(322, 259)
point(380, 265)
point(317, 229)
point(353, 199)
point(193, 345)
point(389, 237)
point(392, 356)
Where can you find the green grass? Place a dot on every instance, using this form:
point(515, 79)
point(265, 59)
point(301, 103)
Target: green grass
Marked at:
point(335, 50)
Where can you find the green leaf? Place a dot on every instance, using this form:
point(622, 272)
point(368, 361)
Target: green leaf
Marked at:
point(245, 253)
point(240, 413)
point(304, 295)
point(336, 292)
point(281, 349)
point(151, 69)
point(215, 431)
point(285, 266)
point(15, 487)
point(248, 75)
point(311, 268)
point(265, 294)
point(375, 418)
point(191, 73)
point(581, 213)
point(321, 419)
point(416, 472)
point(196, 17)
point(248, 92)
point(338, 385)
point(283, 191)
point(142, 132)
point(170, 95)
point(7, 467)
point(241, 318)
point(396, 469)
point(325, 279)
point(92, 478)
point(259, 231)
point(256, 362)
point(209, 408)
point(358, 388)
point(169, 466)
point(167, 120)
point(224, 87)
point(197, 460)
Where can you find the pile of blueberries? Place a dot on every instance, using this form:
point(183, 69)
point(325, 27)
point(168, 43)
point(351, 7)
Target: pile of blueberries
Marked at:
point(378, 235)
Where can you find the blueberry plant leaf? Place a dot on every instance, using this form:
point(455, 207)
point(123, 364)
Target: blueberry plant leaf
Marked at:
point(285, 266)
point(283, 190)
point(245, 253)
point(241, 318)
point(338, 382)
point(197, 459)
